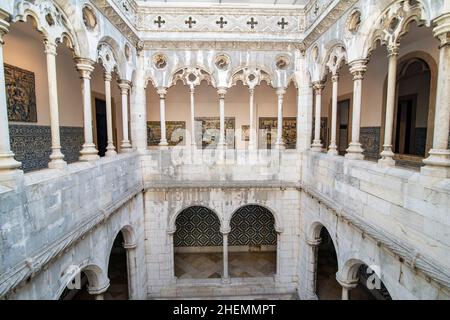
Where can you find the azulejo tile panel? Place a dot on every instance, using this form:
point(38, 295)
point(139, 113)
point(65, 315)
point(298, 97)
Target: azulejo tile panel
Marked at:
point(32, 144)
point(197, 226)
point(252, 225)
point(370, 140)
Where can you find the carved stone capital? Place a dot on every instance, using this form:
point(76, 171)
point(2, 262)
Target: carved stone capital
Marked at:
point(358, 68)
point(222, 92)
point(346, 283)
point(162, 92)
point(335, 77)
point(4, 26)
point(318, 87)
point(85, 67)
point(442, 29)
point(124, 86)
point(50, 47)
point(393, 50)
point(313, 242)
point(107, 76)
point(281, 92)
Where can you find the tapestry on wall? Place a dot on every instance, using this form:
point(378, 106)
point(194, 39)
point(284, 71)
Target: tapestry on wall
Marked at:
point(20, 94)
point(245, 135)
point(207, 131)
point(267, 135)
point(175, 133)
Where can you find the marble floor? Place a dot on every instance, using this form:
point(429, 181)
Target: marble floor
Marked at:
point(210, 265)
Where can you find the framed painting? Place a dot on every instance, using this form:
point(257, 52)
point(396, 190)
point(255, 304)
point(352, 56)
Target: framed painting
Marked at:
point(20, 94)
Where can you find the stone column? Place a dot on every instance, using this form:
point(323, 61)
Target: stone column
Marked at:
point(357, 69)
point(125, 86)
point(252, 131)
point(7, 162)
point(313, 246)
point(131, 269)
point(193, 142)
point(438, 163)
point(304, 118)
point(85, 68)
point(225, 276)
point(387, 155)
point(332, 149)
point(56, 157)
point(347, 286)
point(162, 114)
point(221, 92)
point(279, 144)
point(317, 144)
point(99, 296)
point(138, 106)
point(110, 148)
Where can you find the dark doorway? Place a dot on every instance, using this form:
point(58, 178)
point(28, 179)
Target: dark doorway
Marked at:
point(343, 117)
point(406, 129)
point(411, 115)
point(327, 287)
point(117, 271)
point(100, 119)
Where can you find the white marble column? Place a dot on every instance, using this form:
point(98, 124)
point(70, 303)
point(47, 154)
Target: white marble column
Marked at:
point(438, 163)
point(125, 86)
point(332, 149)
point(221, 92)
point(110, 148)
point(7, 162)
point(252, 130)
point(313, 246)
point(226, 275)
point(138, 105)
point(279, 144)
point(387, 155)
point(192, 94)
point(317, 144)
point(85, 68)
point(56, 157)
point(357, 69)
point(162, 114)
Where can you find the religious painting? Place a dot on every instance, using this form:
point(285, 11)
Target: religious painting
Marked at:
point(207, 131)
point(20, 94)
point(267, 135)
point(175, 133)
point(245, 135)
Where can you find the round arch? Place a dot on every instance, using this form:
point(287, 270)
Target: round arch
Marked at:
point(172, 218)
point(278, 219)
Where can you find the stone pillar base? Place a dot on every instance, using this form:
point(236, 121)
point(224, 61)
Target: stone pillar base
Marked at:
point(280, 146)
point(355, 152)
point(316, 146)
point(57, 164)
point(437, 164)
point(333, 151)
point(8, 163)
point(89, 153)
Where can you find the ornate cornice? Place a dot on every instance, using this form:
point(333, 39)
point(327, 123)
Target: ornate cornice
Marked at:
point(123, 25)
point(326, 20)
